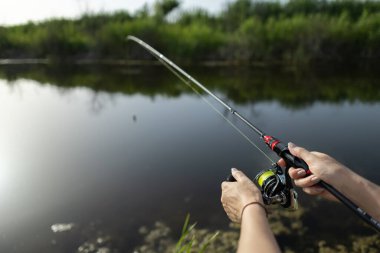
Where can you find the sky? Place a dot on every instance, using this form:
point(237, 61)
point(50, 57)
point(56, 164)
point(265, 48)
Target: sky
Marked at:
point(21, 11)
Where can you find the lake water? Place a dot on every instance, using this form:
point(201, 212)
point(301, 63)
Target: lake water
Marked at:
point(111, 149)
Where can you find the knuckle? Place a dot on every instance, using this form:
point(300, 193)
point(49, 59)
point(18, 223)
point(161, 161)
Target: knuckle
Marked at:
point(292, 173)
point(239, 174)
point(298, 182)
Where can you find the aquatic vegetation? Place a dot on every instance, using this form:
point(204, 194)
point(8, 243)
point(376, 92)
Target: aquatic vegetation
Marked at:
point(192, 240)
point(360, 244)
point(160, 238)
point(287, 226)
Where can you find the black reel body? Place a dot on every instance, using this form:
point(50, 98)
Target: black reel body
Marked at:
point(276, 187)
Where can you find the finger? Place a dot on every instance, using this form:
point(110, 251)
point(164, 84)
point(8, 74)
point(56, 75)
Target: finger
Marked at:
point(319, 154)
point(233, 218)
point(231, 213)
point(224, 185)
point(300, 152)
point(281, 163)
point(314, 190)
point(296, 173)
point(306, 181)
point(238, 175)
point(222, 199)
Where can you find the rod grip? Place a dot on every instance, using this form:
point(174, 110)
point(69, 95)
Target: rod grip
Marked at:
point(293, 161)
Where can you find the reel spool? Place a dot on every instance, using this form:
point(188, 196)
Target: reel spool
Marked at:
point(276, 187)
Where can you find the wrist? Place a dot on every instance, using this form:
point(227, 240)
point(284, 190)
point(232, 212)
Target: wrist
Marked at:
point(254, 209)
point(253, 198)
point(341, 176)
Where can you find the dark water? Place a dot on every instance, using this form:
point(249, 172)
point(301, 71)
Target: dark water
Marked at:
point(112, 149)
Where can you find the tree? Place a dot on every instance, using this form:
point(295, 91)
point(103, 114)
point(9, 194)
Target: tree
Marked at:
point(163, 7)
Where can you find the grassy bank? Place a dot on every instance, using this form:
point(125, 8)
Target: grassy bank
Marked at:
point(297, 32)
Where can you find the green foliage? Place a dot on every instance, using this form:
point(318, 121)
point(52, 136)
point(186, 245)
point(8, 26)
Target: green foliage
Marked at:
point(360, 244)
point(192, 240)
point(297, 32)
point(189, 17)
point(187, 241)
point(163, 7)
point(288, 228)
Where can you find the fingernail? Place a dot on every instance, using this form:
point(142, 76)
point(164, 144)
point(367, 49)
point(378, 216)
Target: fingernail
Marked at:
point(301, 172)
point(314, 178)
point(233, 170)
point(291, 145)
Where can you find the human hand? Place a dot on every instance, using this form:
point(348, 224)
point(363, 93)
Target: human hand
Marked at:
point(235, 195)
point(323, 167)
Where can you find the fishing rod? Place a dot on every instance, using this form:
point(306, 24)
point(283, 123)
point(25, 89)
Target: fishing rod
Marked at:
point(274, 183)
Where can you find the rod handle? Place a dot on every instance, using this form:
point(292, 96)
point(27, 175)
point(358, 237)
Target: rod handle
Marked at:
point(348, 203)
point(296, 162)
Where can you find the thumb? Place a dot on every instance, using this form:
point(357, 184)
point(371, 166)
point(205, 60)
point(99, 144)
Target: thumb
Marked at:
point(300, 152)
point(238, 175)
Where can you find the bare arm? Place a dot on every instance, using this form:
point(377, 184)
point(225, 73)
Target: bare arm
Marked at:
point(358, 189)
point(255, 233)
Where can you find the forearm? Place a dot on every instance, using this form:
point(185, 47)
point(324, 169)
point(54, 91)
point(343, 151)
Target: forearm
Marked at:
point(361, 191)
point(255, 234)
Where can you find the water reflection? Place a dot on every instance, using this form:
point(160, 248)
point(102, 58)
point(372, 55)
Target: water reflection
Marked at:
point(292, 89)
point(112, 149)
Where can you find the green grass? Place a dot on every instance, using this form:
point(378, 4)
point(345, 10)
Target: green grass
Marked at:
point(187, 242)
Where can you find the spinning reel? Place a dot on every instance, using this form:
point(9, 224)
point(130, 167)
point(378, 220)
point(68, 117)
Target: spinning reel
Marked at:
point(276, 187)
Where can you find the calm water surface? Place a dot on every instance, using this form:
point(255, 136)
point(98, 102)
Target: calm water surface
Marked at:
point(113, 149)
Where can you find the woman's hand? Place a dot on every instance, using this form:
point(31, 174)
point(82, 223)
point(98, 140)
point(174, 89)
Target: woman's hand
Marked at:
point(235, 195)
point(323, 168)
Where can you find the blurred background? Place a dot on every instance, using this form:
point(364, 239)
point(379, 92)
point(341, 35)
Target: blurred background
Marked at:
point(102, 149)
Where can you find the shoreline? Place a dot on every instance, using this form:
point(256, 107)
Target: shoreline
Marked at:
point(367, 64)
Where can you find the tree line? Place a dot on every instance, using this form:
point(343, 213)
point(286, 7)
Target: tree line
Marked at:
point(245, 31)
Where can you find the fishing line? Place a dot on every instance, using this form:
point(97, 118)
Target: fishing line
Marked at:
point(188, 83)
point(187, 79)
point(162, 58)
